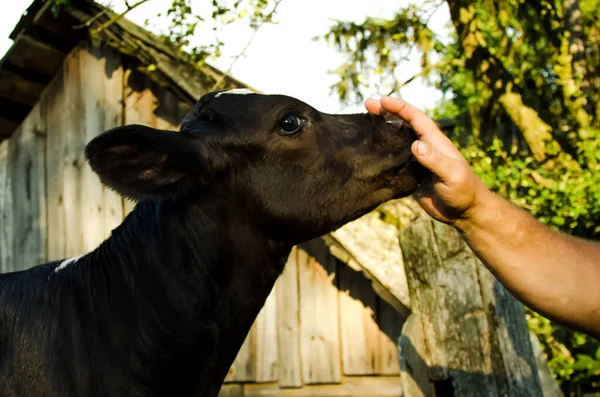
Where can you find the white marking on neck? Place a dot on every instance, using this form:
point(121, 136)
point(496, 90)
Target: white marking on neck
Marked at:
point(67, 262)
point(236, 91)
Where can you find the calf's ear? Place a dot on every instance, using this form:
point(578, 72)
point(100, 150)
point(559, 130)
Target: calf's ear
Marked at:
point(145, 163)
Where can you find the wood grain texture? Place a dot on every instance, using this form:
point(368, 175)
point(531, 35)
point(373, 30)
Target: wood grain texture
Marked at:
point(390, 324)
point(102, 208)
point(231, 391)
point(258, 358)
point(359, 331)
point(243, 368)
point(319, 317)
point(6, 208)
point(475, 332)
point(27, 151)
point(82, 101)
point(63, 103)
point(413, 353)
point(267, 355)
point(288, 324)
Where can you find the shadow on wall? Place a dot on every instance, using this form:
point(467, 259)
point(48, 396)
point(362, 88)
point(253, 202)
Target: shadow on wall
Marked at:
point(359, 288)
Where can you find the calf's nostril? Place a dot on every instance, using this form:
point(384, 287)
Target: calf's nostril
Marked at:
point(394, 120)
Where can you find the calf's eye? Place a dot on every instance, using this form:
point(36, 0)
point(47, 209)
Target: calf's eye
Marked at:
point(291, 124)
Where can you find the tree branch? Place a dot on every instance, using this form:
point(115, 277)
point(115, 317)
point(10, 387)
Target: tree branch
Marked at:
point(117, 17)
point(424, 72)
point(243, 52)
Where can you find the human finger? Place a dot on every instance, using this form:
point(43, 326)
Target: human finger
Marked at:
point(437, 162)
point(425, 127)
point(373, 106)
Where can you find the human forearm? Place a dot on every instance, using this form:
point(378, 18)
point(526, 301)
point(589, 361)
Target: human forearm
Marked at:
point(553, 273)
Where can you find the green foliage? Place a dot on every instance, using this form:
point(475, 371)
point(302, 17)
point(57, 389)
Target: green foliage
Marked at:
point(573, 357)
point(378, 46)
point(185, 20)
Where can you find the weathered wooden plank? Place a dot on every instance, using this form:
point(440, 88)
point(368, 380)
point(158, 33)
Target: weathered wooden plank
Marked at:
point(258, 360)
point(6, 208)
point(390, 323)
point(319, 332)
point(234, 390)
point(12, 110)
point(243, 368)
point(27, 150)
point(413, 353)
point(370, 244)
point(288, 325)
point(18, 88)
point(475, 334)
point(31, 54)
point(359, 332)
point(267, 356)
point(82, 101)
point(374, 386)
point(63, 106)
point(7, 127)
point(101, 208)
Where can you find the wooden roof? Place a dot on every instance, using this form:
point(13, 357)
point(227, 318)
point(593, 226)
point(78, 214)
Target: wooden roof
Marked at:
point(43, 40)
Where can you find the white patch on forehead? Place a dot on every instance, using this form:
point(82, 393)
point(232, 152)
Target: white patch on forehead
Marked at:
point(67, 262)
point(236, 91)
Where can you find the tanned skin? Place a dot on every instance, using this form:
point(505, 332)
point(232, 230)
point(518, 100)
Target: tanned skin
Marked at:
point(553, 273)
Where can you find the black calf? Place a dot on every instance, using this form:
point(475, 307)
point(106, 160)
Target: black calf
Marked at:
point(162, 307)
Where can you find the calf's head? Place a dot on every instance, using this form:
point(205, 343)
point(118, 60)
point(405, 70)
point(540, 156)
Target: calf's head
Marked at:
point(298, 172)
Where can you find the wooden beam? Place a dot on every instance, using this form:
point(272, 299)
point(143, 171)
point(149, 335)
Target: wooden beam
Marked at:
point(7, 127)
point(61, 26)
point(12, 110)
point(19, 89)
point(288, 324)
point(319, 318)
point(359, 332)
point(63, 44)
point(31, 54)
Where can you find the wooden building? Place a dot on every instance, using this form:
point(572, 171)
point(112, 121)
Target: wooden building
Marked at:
point(330, 326)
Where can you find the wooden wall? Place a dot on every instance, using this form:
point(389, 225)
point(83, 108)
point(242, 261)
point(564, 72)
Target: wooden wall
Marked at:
point(323, 331)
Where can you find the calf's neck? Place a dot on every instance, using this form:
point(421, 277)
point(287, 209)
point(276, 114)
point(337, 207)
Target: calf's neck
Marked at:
point(162, 307)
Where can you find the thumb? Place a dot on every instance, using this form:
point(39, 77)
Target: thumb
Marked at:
point(432, 159)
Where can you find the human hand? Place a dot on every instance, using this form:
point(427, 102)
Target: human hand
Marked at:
point(452, 191)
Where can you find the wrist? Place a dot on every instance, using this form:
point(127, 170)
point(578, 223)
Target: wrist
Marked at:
point(475, 216)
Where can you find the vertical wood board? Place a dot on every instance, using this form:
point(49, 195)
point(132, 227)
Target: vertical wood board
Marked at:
point(6, 208)
point(288, 325)
point(102, 208)
point(82, 101)
point(267, 356)
point(319, 332)
point(359, 331)
point(390, 323)
point(27, 168)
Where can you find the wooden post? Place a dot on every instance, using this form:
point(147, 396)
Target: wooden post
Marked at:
point(467, 336)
